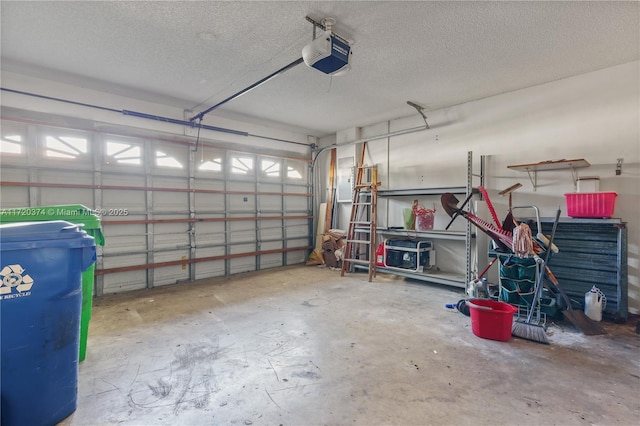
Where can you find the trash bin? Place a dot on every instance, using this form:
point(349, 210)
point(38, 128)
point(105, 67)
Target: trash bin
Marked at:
point(74, 213)
point(41, 265)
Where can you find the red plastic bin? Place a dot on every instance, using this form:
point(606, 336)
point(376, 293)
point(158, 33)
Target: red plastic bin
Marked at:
point(491, 319)
point(591, 204)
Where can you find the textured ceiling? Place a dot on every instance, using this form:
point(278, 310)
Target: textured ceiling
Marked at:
point(194, 54)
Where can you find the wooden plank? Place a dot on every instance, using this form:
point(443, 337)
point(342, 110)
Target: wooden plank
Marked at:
point(552, 165)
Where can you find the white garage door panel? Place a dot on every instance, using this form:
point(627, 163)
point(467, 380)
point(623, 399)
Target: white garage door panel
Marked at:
point(58, 176)
point(208, 252)
point(13, 175)
point(209, 233)
point(170, 235)
point(214, 184)
point(13, 160)
point(241, 186)
point(170, 274)
point(209, 203)
point(242, 232)
point(170, 202)
point(112, 261)
point(301, 242)
point(241, 203)
point(128, 238)
point(295, 257)
point(125, 281)
point(111, 215)
point(270, 261)
point(121, 199)
point(242, 248)
point(296, 189)
point(272, 245)
point(269, 187)
point(80, 164)
point(295, 203)
point(59, 196)
point(170, 182)
point(210, 269)
point(213, 268)
point(297, 228)
point(173, 201)
point(270, 203)
point(14, 196)
point(270, 230)
point(244, 264)
point(123, 180)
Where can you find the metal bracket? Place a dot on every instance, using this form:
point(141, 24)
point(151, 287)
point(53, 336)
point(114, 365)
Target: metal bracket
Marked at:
point(189, 130)
point(619, 167)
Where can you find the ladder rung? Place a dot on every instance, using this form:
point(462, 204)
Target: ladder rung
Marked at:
point(359, 241)
point(358, 261)
point(362, 204)
point(360, 222)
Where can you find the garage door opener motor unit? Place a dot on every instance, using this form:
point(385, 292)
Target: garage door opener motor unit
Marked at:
point(328, 53)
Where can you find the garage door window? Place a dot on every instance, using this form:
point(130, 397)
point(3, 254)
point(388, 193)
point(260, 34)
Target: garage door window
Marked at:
point(296, 170)
point(123, 153)
point(270, 168)
point(213, 165)
point(65, 147)
point(12, 143)
point(164, 160)
point(241, 165)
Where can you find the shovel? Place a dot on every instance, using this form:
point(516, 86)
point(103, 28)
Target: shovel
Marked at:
point(578, 318)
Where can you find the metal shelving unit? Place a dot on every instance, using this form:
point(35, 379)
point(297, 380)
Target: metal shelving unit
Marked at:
point(464, 237)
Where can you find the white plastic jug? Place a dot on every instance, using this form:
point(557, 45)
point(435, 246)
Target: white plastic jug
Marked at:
point(594, 301)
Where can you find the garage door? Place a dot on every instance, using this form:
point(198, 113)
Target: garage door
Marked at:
point(169, 213)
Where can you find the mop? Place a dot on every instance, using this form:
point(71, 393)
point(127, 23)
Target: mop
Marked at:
point(528, 330)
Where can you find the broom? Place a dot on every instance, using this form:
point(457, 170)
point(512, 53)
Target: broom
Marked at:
point(528, 330)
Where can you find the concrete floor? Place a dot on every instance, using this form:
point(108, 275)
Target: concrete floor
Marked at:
point(303, 346)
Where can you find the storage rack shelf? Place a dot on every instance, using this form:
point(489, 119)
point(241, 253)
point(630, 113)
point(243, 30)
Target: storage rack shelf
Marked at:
point(435, 234)
point(431, 275)
point(461, 238)
point(421, 191)
point(449, 279)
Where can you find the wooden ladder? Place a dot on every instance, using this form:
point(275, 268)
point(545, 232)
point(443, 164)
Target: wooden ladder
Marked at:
point(360, 247)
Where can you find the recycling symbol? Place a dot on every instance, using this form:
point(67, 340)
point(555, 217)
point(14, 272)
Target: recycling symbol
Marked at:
point(12, 277)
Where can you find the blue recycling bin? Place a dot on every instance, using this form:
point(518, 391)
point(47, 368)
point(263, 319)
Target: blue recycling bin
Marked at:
point(41, 265)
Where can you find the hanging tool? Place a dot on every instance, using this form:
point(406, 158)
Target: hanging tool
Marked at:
point(450, 204)
point(528, 330)
point(509, 221)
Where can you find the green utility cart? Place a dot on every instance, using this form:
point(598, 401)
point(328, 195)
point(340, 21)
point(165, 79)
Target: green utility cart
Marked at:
point(76, 214)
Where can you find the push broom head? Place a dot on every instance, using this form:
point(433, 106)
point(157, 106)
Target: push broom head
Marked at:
point(528, 331)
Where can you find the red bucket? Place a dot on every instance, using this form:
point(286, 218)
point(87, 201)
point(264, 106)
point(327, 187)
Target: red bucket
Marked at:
point(490, 319)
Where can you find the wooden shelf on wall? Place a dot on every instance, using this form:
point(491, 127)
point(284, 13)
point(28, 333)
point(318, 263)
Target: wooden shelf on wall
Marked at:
point(532, 169)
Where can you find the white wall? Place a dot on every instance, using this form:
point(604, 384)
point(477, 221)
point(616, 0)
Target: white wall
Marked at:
point(595, 116)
